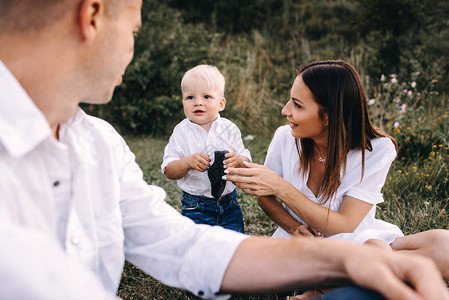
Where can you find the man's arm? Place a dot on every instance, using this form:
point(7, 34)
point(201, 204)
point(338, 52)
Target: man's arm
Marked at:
point(265, 265)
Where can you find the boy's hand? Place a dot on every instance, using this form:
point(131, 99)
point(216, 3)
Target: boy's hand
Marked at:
point(199, 161)
point(234, 161)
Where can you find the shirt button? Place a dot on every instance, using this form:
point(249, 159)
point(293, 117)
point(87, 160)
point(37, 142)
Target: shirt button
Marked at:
point(75, 240)
point(56, 183)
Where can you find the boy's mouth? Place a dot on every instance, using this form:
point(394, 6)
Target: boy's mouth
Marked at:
point(198, 112)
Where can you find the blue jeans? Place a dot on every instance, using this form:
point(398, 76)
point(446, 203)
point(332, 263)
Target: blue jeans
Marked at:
point(224, 211)
point(352, 292)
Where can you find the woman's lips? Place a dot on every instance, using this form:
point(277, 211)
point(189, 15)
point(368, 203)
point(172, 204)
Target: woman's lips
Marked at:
point(293, 125)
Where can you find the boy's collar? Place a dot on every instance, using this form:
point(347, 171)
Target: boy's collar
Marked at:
point(197, 128)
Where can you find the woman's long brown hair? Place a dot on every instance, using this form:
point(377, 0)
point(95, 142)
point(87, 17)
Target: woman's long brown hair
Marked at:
point(337, 88)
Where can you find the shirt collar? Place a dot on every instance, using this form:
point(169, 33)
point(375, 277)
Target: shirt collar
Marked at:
point(197, 129)
point(23, 126)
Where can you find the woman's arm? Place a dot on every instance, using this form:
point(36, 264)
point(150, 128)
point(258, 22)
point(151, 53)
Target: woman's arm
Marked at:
point(276, 212)
point(329, 222)
point(261, 181)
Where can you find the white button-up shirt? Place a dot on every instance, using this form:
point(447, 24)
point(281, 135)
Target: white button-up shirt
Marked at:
point(32, 266)
point(87, 192)
point(189, 138)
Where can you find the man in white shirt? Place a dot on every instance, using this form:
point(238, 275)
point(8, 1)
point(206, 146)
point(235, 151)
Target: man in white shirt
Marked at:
point(72, 194)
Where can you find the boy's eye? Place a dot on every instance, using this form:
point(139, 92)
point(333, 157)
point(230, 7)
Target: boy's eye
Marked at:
point(207, 97)
point(189, 98)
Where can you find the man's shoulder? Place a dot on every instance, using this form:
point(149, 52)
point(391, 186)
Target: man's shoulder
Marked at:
point(97, 128)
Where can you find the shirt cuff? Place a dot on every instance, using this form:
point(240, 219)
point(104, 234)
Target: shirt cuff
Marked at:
point(206, 262)
point(166, 162)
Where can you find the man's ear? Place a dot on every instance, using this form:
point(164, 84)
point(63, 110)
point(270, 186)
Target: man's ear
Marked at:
point(222, 104)
point(90, 18)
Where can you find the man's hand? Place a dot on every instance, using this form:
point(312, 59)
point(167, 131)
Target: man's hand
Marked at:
point(398, 275)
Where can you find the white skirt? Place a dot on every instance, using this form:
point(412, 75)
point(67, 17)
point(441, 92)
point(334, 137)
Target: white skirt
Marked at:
point(368, 229)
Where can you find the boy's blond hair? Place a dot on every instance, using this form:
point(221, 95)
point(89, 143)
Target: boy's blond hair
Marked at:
point(209, 74)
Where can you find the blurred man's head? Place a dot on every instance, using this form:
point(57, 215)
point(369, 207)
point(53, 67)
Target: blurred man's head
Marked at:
point(69, 51)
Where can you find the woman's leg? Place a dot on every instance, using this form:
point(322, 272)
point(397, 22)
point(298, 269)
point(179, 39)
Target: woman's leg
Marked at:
point(433, 244)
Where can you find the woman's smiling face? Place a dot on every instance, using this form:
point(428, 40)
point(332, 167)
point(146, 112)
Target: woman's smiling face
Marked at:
point(302, 112)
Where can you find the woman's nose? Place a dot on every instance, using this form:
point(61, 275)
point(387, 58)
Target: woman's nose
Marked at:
point(286, 111)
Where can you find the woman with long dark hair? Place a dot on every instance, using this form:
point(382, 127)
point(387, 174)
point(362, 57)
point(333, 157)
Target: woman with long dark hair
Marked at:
point(331, 163)
point(328, 167)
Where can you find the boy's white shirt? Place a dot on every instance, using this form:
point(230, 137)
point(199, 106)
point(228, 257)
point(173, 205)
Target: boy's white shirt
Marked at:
point(189, 138)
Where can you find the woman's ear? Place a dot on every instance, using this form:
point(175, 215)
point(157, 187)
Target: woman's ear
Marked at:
point(90, 18)
point(222, 104)
point(326, 119)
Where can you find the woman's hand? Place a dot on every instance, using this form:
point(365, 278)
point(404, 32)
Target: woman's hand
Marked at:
point(255, 179)
point(307, 231)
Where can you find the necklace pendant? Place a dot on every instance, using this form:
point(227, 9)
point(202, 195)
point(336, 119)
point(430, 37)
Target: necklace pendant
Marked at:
point(322, 160)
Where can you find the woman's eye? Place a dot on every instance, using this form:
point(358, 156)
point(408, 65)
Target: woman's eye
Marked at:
point(297, 105)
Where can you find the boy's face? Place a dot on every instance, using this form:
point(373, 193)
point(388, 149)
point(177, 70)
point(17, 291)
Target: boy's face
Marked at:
point(201, 103)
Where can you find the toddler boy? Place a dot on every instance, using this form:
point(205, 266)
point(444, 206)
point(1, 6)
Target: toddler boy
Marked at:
point(198, 140)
